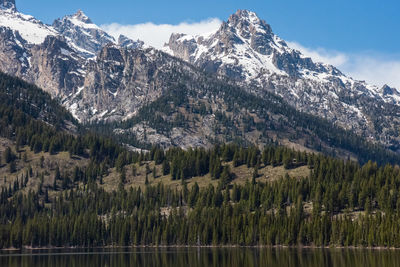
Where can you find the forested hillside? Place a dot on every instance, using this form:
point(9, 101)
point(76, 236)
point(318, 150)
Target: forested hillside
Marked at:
point(63, 186)
point(30, 100)
point(338, 204)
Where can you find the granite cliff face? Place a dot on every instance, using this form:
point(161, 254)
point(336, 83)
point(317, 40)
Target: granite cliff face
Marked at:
point(56, 67)
point(120, 81)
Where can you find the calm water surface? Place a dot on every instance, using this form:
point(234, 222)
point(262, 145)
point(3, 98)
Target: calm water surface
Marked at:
point(193, 257)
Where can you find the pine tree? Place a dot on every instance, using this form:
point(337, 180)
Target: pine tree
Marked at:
point(122, 177)
point(236, 159)
point(148, 171)
point(134, 170)
point(255, 173)
point(225, 176)
point(8, 155)
point(52, 148)
point(12, 167)
point(165, 167)
point(42, 162)
point(26, 178)
point(227, 196)
point(154, 172)
point(55, 184)
point(57, 175)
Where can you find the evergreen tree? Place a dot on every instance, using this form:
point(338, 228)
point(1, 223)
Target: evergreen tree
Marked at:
point(8, 155)
point(165, 167)
point(134, 170)
point(12, 167)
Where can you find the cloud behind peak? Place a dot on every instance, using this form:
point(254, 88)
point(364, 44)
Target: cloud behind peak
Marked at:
point(157, 35)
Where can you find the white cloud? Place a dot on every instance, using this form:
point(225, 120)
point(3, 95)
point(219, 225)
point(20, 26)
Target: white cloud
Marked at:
point(321, 55)
point(377, 70)
point(367, 66)
point(157, 35)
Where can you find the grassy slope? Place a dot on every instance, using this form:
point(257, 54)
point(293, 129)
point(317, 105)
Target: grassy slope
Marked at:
point(62, 160)
point(241, 174)
point(111, 181)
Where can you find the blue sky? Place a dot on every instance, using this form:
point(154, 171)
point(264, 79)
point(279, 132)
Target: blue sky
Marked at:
point(348, 26)
point(348, 33)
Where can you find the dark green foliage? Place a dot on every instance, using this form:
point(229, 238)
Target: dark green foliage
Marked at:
point(226, 176)
point(8, 155)
point(134, 170)
point(154, 172)
point(31, 100)
point(12, 167)
point(251, 214)
point(165, 167)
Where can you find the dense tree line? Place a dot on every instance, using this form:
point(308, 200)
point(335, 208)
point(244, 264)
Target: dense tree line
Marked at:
point(340, 203)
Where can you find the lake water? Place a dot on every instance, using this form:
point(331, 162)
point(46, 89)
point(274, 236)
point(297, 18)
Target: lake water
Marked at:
point(201, 257)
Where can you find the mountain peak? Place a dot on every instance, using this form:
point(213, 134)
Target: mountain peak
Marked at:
point(387, 90)
point(82, 34)
point(245, 14)
point(249, 21)
point(8, 4)
point(79, 15)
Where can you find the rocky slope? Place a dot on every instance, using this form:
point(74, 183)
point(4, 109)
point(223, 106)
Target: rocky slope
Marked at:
point(121, 81)
point(245, 49)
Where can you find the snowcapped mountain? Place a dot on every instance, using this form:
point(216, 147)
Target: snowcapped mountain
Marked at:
point(245, 49)
point(82, 34)
point(30, 29)
point(86, 37)
point(126, 42)
point(100, 79)
point(53, 57)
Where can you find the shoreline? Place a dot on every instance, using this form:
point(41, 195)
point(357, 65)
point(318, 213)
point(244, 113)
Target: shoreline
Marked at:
point(300, 247)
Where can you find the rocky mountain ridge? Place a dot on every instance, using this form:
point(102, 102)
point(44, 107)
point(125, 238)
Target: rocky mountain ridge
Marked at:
point(246, 50)
point(100, 79)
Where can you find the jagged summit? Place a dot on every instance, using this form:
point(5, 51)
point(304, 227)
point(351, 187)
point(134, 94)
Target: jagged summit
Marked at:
point(79, 15)
point(82, 34)
point(8, 4)
point(247, 19)
point(30, 29)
